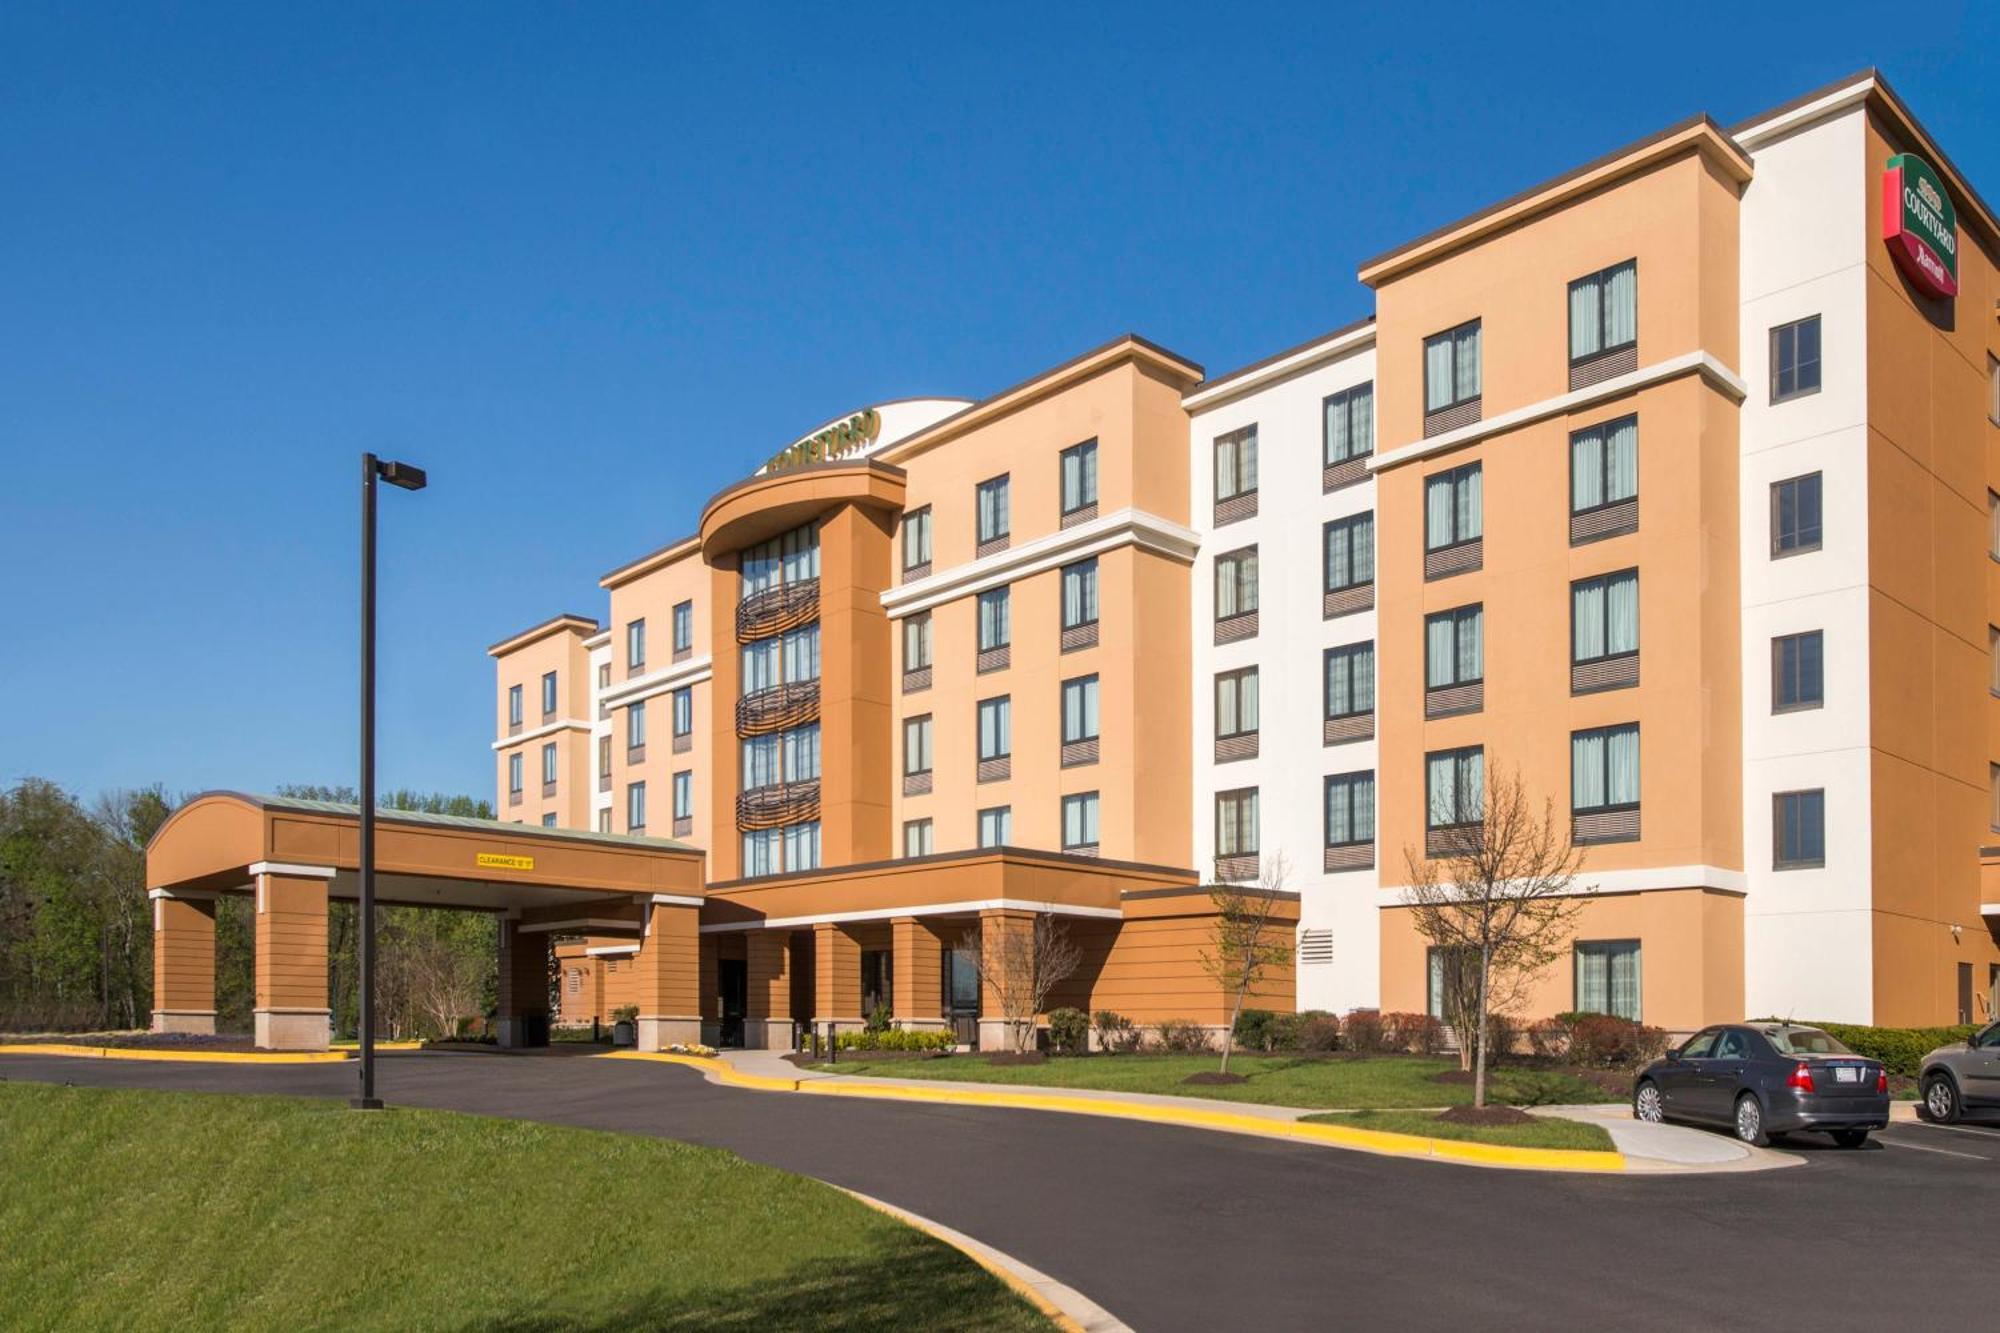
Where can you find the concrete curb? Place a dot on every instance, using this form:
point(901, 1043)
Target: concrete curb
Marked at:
point(1065, 1306)
point(201, 1057)
point(1335, 1136)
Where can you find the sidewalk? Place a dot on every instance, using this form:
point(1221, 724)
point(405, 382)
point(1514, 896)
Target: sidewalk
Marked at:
point(1648, 1149)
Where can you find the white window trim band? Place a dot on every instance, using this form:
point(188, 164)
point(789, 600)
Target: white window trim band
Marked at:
point(546, 729)
point(678, 676)
point(1123, 527)
point(927, 909)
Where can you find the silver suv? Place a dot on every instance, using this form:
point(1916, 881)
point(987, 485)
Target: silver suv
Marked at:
point(1964, 1076)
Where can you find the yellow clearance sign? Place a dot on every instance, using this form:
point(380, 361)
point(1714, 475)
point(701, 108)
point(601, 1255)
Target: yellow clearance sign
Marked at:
point(502, 861)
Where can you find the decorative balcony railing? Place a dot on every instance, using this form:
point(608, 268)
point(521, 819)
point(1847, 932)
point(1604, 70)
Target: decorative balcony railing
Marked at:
point(781, 803)
point(776, 610)
point(775, 709)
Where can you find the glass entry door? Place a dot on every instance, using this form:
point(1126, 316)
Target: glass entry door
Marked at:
point(732, 984)
point(961, 995)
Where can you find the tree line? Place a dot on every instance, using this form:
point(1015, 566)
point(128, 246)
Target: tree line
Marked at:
point(76, 928)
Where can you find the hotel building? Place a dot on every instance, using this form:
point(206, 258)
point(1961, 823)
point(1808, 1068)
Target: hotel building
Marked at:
point(1670, 485)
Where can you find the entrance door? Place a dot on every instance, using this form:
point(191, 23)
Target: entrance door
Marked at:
point(732, 984)
point(961, 996)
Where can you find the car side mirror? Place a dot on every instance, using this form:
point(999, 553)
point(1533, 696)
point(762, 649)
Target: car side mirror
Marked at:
point(1673, 1052)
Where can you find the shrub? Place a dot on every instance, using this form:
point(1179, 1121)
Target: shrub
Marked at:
point(625, 1013)
point(1548, 1039)
point(1503, 1033)
point(895, 1039)
point(1419, 1034)
point(880, 1019)
point(1602, 1041)
point(1254, 1028)
point(1183, 1037)
point(1069, 1031)
point(1316, 1030)
point(1901, 1050)
point(1362, 1031)
point(1115, 1032)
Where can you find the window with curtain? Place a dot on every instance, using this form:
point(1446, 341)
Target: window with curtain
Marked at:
point(514, 772)
point(549, 763)
point(1349, 424)
point(1604, 616)
point(635, 725)
point(1236, 703)
point(1604, 768)
point(1350, 680)
point(1079, 594)
point(1604, 465)
point(995, 630)
point(1795, 515)
point(1236, 583)
point(1079, 476)
point(1452, 507)
point(683, 711)
point(1236, 822)
point(1451, 367)
point(1798, 671)
point(514, 705)
point(604, 756)
point(1440, 965)
point(1799, 833)
point(763, 665)
point(635, 644)
point(917, 537)
point(1455, 784)
point(1607, 978)
point(1604, 311)
point(1350, 809)
point(761, 759)
point(1079, 817)
point(801, 846)
point(1795, 359)
point(635, 807)
point(684, 795)
point(996, 826)
point(917, 744)
point(1236, 463)
point(1454, 647)
point(995, 520)
point(790, 557)
point(548, 693)
point(683, 626)
point(917, 641)
point(801, 753)
point(761, 852)
point(1079, 709)
point(996, 727)
point(917, 838)
point(1350, 551)
point(801, 653)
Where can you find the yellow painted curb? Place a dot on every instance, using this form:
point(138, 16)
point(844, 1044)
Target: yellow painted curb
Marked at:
point(1337, 1136)
point(1013, 1280)
point(202, 1057)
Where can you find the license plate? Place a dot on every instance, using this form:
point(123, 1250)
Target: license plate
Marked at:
point(1846, 1074)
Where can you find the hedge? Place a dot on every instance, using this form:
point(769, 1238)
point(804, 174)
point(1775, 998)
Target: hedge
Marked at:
point(1901, 1050)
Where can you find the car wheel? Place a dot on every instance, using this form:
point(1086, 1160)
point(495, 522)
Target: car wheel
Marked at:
point(1941, 1099)
point(1750, 1122)
point(1849, 1138)
point(1647, 1104)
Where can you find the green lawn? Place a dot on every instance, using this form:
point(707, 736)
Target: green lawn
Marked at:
point(1274, 1080)
point(140, 1210)
point(1545, 1132)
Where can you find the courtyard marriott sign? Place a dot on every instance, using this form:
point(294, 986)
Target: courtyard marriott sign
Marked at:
point(1920, 225)
point(836, 441)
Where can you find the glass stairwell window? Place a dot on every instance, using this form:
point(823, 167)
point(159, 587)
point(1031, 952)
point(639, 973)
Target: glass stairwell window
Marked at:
point(1604, 481)
point(1604, 325)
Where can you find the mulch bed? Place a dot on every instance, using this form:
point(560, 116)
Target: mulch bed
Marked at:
point(1214, 1077)
point(1010, 1058)
point(157, 1041)
point(1486, 1115)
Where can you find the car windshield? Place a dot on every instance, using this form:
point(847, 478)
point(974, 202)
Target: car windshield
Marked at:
point(1804, 1041)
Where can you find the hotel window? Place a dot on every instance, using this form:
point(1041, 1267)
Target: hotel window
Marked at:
point(1455, 787)
point(604, 756)
point(1795, 359)
point(1993, 797)
point(1236, 583)
point(996, 521)
point(1350, 552)
point(1451, 377)
point(996, 737)
point(1453, 502)
point(917, 837)
point(1798, 835)
point(1604, 784)
point(1607, 978)
point(917, 539)
point(549, 819)
point(1236, 830)
point(683, 629)
point(683, 795)
point(1236, 704)
point(1079, 821)
point(635, 645)
point(1604, 312)
point(514, 705)
point(783, 659)
point(548, 693)
point(784, 757)
point(1993, 391)
point(996, 826)
point(1348, 425)
point(1604, 632)
point(635, 726)
point(604, 820)
point(1079, 605)
point(1079, 480)
point(1454, 659)
point(801, 843)
point(917, 746)
point(1236, 475)
point(1350, 681)
point(1795, 515)
point(995, 629)
point(1604, 480)
point(1079, 720)
point(917, 652)
point(549, 765)
point(1993, 659)
point(762, 854)
point(604, 675)
point(635, 807)
point(1798, 670)
point(790, 557)
point(683, 712)
point(514, 773)
point(1993, 525)
point(1350, 809)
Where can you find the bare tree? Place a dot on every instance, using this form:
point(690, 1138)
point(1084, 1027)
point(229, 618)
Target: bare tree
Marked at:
point(1021, 967)
point(1245, 949)
point(1499, 900)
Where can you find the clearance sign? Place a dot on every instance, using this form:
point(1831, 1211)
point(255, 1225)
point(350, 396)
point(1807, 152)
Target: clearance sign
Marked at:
point(502, 861)
point(1920, 224)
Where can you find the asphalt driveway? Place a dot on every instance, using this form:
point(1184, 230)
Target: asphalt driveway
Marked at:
point(1188, 1229)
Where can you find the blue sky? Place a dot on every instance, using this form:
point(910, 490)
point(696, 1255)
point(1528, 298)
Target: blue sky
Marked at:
point(587, 264)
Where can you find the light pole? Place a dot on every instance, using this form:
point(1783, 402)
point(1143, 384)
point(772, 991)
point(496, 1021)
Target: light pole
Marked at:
point(410, 479)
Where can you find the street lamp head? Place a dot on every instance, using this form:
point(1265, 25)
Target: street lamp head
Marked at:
point(405, 475)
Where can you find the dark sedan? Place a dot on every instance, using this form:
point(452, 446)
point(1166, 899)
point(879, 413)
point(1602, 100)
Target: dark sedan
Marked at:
point(1762, 1079)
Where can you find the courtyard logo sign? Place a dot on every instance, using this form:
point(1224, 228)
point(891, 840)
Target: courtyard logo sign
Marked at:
point(502, 861)
point(836, 441)
point(1920, 225)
